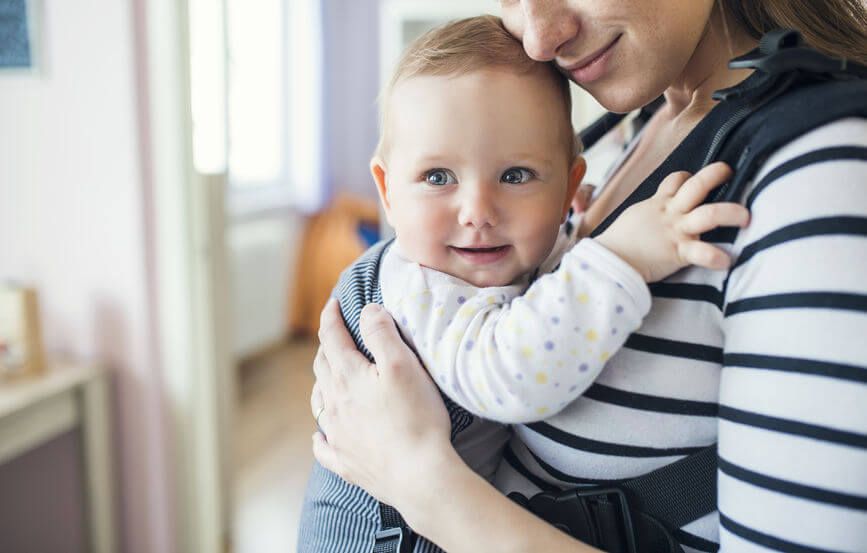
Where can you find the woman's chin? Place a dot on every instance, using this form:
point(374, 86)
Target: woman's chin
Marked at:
point(621, 97)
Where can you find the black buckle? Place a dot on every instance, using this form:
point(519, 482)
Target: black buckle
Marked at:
point(597, 516)
point(393, 540)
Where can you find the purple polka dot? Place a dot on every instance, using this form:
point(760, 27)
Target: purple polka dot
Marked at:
point(555, 320)
point(561, 299)
point(613, 331)
point(584, 266)
point(618, 285)
point(403, 321)
point(455, 387)
point(556, 384)
point(503, 297)
point(461, 300)
point(573, 388)
point(549, 345)
point(470, 345)
point(577, 329)
point(499, 401)
point(519, 376)
point(583, 368)
point(618, 309)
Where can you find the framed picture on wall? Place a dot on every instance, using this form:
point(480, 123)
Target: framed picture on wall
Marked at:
point(18, 36)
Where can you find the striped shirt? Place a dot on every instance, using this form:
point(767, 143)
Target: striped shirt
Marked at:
point(769, 359)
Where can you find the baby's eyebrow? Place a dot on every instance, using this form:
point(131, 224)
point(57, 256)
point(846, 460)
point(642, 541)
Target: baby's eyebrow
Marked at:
point(529, 159)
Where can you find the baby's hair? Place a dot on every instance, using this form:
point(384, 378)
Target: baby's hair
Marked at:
point(467, 45)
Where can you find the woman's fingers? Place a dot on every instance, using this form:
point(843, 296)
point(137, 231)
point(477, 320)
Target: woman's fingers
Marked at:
point(381, 337)
point(339, 348)
point(696, 252)
point(325, 454)
point(709, 216)
point(696, 188)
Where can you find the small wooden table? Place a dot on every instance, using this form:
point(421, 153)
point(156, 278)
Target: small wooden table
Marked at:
point(67, 396)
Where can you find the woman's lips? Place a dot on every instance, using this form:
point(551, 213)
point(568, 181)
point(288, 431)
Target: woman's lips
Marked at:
point(594, 66)
point(482, 256)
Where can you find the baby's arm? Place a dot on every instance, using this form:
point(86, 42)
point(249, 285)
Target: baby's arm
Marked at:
point(520, 359)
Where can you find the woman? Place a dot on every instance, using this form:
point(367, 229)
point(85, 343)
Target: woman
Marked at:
point(768, 361)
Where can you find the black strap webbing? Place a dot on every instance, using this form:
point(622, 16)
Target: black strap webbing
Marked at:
point(678, 493)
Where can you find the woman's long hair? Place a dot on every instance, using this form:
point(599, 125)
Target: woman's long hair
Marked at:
point(835, 27)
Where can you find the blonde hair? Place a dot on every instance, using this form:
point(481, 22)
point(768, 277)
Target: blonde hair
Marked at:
point(467, 45)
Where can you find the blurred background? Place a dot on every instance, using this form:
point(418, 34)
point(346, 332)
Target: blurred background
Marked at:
point(181, 183)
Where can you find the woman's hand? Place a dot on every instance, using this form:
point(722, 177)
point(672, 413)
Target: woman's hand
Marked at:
point(383, 421)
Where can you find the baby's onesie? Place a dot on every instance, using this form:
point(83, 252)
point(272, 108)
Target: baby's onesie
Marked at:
point(519, 353)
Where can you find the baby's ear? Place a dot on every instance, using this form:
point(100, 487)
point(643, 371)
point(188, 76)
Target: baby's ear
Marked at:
point(576, 173)
point(379, 172)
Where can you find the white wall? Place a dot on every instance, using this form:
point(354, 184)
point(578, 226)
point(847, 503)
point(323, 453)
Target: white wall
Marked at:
point(73, 221)
point(262, 253)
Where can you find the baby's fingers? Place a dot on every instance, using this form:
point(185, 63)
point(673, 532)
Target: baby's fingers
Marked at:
point(702, 254)
point(710, 216)
point(696, 188)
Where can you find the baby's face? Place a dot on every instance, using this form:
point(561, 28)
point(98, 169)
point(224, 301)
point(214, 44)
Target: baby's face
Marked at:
point(477, 178)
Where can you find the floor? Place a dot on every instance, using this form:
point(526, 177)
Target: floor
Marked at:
point(273, 425)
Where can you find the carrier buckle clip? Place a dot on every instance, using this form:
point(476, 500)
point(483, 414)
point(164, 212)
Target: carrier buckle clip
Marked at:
point(392, 540)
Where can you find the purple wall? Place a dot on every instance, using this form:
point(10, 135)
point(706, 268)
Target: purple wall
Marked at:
point(352, 85)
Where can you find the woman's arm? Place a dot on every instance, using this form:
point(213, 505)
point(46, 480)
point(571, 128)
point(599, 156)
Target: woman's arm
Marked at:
point(388, 432)
point(793, 397)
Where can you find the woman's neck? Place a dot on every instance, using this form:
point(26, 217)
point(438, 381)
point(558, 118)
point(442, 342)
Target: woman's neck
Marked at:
point(689, 96)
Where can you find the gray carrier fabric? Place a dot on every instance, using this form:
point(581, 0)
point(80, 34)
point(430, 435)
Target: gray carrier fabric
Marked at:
point(338, 517)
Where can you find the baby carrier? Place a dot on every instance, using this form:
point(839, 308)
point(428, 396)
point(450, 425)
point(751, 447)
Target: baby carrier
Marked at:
point(793, 90)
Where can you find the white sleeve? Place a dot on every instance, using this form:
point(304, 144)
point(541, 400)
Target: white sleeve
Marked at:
point(793, 395)
point(517, 359)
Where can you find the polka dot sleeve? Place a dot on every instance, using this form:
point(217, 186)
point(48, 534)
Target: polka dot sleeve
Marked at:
point(514, 355)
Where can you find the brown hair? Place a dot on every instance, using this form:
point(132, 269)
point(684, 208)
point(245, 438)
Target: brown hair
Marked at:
point(467, 45)
point(834, 27)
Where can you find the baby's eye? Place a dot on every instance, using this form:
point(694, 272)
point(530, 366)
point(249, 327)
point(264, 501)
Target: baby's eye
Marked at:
point(439, 177)
point(517, 175)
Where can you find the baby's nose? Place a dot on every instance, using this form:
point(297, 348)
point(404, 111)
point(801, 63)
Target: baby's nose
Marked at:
point(478, 208)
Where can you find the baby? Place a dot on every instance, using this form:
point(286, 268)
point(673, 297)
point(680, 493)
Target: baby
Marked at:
point(477, 165)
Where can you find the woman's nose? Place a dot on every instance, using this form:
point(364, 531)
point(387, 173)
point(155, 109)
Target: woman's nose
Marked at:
point(548, 26)
point(477, 208)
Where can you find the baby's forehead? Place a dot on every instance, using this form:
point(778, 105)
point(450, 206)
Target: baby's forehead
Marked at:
point(498, 98)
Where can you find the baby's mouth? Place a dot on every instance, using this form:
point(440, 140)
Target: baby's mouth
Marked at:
point(482, 255)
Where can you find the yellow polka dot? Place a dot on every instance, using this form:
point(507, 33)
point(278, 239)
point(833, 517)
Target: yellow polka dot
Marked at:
point(482, 408)
point(439, 312)
point(605, 355)
point(530, 295)
point(541, 410)
point(527, 352)
point(573, 352)
point(583, 298)
point(491, 299)
point(559, 364)
point(424, 306)
point(591, 335)
point(466, 312)
point(541, 378)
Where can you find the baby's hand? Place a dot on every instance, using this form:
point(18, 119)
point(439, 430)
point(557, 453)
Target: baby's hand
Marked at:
point(661, 234)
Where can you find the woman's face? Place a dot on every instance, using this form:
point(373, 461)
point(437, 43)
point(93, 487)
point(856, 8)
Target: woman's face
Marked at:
point(623, 52)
